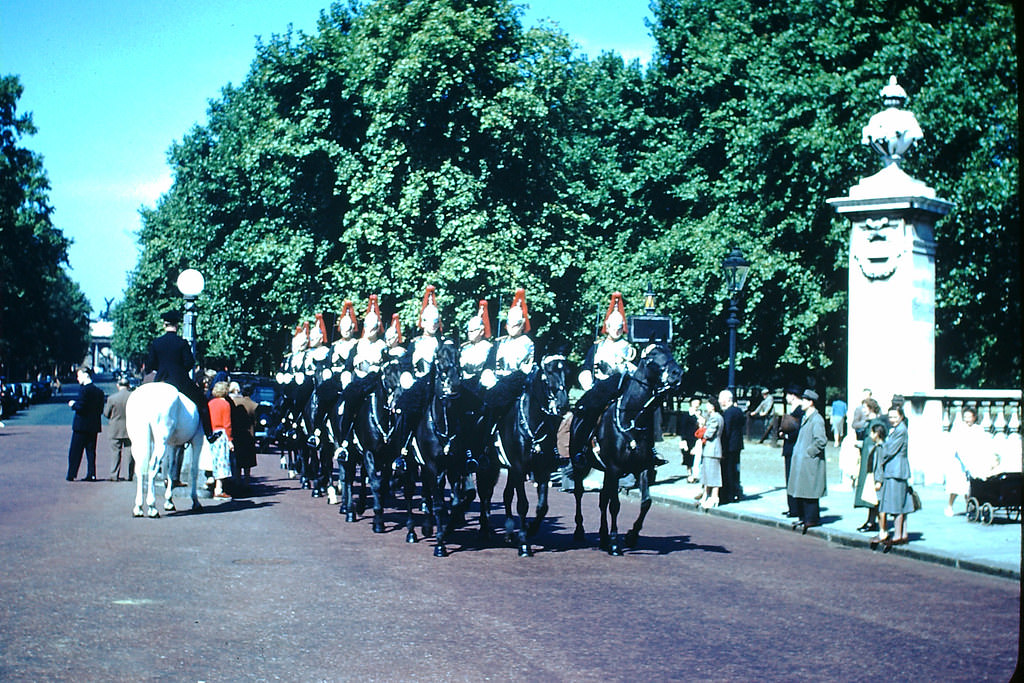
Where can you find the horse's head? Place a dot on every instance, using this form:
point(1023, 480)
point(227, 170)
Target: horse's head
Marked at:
point(659, 367)
point(554, 373)
point(446, 369)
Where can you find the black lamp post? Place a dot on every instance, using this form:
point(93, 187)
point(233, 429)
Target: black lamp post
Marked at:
point(735, 268)
point(190, 284)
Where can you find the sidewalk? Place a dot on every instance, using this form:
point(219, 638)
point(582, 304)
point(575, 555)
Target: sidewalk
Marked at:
point(953, 541)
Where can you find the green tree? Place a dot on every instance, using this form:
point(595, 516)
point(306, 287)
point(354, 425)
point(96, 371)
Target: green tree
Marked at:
point(44, 317)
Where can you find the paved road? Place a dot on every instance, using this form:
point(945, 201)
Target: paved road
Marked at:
point(277, 587)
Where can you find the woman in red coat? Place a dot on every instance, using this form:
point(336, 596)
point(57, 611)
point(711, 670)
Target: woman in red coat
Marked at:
point(220, 420)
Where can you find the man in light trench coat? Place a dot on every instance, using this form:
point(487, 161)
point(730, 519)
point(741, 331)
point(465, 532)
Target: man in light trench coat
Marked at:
point(807, 472)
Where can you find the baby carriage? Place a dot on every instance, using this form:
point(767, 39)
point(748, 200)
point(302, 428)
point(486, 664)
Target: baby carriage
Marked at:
point(1001, 491)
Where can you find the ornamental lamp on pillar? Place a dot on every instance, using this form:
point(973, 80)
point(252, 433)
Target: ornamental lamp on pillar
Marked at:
point(735, 268)
point(190, 284)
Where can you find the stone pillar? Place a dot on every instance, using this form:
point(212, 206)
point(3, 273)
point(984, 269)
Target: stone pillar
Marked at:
point(892, 274)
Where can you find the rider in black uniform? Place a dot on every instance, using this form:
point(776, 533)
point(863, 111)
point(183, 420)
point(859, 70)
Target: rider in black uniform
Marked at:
point(171, 358)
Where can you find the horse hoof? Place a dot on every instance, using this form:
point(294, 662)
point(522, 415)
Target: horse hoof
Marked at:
point(196, 506)
point(332, 496)
point(303, 483)
point(351, 516)
point(579, 536)
point(440, 551)
point(153, 513)
point(423, 507)
point(378, 526)
point(631, 539)
point(291, 474)
point(137, 512)
point(411, 537)
point(169, 507)
point(525, 550)
point(615, 550)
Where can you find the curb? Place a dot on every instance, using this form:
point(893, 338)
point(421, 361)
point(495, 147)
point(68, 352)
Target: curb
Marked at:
point(838, 537)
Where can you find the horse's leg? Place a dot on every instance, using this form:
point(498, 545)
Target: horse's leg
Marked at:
point(374, 477)
point(542, 508)
point(614, 548)
point(486, 478)
point(141, 454)
point(427, 488)
point(348, 471)
point(645, 505)
point(579, 535)
point(197, 444)
point(440, 515)
point(604, 497)
point(507, 497)
point(169, 454)
point(523, 509)
point(409, 489)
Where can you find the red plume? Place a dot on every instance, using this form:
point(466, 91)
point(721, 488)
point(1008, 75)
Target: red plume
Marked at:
point(486, 317)
point(519, 300)
point(349, 311)
point(373, 307)
point(614, 305)
point(396, 325)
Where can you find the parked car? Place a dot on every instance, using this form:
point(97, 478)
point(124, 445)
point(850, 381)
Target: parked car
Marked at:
point(8, 400)
point(42, 390)
point(265, 392)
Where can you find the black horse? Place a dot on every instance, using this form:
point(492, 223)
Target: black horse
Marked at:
point(434, 447)
point(526, 445)
point(371, 431)
point(625, 439)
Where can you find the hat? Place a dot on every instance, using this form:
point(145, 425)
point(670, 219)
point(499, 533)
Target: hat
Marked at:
point(394, 329)
point(347, 319)
point(172, 316)
point(517, 312)
point(481, 321)
point(794, 389)
point(616, 314)
point(300, 338)
point(765, 391)
point(428, 309)
point(371, 319)
point(318, 332)
point(123, 382)
point(811, 394)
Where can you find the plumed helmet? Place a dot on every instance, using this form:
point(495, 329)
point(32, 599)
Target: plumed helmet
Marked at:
point(394, 330)
point(347, 319)
point(481, 321)
point(615, 318)
point(518, 313)
point(371, 319)
point(318, 332)
point(428, 310)
point(300, 338)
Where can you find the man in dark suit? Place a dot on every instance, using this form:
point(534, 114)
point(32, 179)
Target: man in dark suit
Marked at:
point(171, 358)
point(86, 425)
point(732, 444)
point(120, 444)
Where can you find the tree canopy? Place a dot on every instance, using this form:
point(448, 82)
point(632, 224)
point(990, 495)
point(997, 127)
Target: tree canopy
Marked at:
point(44, 316)
point(410, 142)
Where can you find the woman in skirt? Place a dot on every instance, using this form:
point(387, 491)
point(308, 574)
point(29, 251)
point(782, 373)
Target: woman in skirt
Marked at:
point(892, 478)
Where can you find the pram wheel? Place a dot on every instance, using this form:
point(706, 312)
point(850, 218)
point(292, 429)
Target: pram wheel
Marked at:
point(972, 509)
point(985, 513)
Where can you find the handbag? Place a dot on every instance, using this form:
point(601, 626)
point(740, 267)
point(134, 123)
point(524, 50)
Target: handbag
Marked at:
point(868, 493)
point(915, 497)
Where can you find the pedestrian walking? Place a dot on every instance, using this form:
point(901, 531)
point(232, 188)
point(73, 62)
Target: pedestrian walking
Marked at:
point(86, 425)
point(120, 444)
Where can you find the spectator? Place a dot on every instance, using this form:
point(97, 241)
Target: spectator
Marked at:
point(220, 420)
point(838, 422)
point(689, 422)
point(807, 474)
point(762, 414)
point(243, 428)
point(892, 479)
point(858, 419)
point(86, 426)
point(970, 444)
point(732, 444)
point(864, 495)
point(789, 426)
point(711, 456)
point(120, 444)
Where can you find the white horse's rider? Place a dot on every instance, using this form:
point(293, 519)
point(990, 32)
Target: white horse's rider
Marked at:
point(608, 362)
point(410, 405)
point(171, 358)
point(474, 357)
point(506, 375)
point(367, 359)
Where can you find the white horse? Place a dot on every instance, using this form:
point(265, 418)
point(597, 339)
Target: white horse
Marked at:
point(159, 419)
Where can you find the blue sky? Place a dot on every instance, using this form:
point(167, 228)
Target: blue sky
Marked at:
point(112, 83)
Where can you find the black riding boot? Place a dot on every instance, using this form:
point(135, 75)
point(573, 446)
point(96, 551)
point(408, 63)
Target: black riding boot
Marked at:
point(580, 432)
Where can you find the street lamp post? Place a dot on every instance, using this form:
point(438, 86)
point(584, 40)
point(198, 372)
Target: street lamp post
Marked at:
point(735, 268)
point(190, 284)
